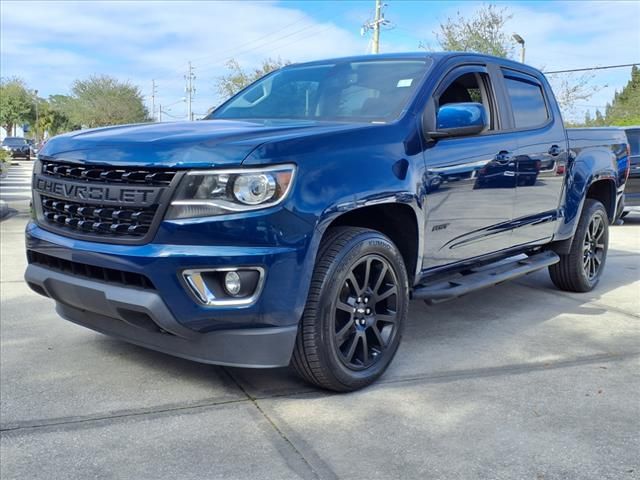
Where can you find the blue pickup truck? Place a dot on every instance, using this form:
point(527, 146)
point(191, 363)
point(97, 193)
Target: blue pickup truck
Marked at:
point(296, 221)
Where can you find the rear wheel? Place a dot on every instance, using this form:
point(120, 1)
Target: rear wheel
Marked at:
point(581, 268)
point(356, 310)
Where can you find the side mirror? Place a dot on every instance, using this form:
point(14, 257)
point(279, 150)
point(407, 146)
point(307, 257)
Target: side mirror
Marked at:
point(459, 119)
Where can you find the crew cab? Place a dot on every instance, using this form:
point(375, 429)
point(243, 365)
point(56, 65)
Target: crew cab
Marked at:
point(296, 221)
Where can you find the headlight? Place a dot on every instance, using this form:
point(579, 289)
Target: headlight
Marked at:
point(219, 192)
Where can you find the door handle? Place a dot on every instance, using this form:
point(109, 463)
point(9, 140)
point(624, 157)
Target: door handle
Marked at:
point(503, 157)
point(555, 150)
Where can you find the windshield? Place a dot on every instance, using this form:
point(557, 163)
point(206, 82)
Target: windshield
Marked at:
point(364, 91)
point(14, 142)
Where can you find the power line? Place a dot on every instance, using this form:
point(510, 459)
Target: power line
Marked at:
point(606, 67)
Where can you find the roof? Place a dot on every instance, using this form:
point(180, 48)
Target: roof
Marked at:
point(436, 56)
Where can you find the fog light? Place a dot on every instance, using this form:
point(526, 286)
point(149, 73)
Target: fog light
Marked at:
point(232, 283)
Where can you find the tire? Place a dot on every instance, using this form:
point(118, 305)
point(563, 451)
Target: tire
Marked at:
point(352, 323)
point(580, 270)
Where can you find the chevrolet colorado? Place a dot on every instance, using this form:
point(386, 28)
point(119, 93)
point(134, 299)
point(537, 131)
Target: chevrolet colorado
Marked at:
point(295, 222)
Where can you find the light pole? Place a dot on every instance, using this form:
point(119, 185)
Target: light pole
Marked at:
point(520, 40)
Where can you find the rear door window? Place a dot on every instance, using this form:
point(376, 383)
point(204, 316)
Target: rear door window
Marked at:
point(527, 102)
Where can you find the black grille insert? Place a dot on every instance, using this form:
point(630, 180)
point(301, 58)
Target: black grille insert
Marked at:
point(110, 275)
point(126, 222)
point(98, 173)
point(98, 219)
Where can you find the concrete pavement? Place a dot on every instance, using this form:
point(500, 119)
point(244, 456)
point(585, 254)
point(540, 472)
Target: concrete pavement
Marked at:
point(517, 381)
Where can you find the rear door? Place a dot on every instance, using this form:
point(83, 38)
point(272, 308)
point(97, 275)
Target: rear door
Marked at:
point(470, 180)
point(541, 156)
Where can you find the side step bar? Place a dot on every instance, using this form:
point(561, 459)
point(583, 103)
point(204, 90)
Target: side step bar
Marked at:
point(485, 276)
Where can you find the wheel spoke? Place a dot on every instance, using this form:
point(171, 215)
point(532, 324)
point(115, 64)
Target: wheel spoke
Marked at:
point(386, 318)
point(367, 273)
point(343, 334)
point(345, 307)
point(352, 348)
point(365, 349)
point(387, 293)
point(597, 260)
point(378, 284)
point(378, 335)
point(600, 246)
point(354, 283)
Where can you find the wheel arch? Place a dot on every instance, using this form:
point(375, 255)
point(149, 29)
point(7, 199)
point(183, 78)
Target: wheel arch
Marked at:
point(398, 221)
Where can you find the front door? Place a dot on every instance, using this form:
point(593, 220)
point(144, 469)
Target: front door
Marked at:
point(470, 181)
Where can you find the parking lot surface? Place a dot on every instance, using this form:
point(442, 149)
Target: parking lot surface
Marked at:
point(517, 381)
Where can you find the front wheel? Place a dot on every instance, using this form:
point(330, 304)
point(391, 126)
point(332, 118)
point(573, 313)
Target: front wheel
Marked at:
point(581, 268)
point(355, 313)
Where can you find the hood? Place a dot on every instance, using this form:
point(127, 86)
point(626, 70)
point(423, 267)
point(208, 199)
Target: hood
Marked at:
point(206, 143)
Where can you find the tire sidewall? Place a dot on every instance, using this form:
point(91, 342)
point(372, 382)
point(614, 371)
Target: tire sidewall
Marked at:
point(363, 244)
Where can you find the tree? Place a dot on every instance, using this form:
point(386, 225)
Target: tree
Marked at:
point(482, 33)
point(16, 103)
point(570, 88)
point(625, 107)
point(103, 100)
point(238, 78)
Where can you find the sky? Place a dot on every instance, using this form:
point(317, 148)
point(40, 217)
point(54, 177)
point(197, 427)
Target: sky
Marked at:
point(50, 44)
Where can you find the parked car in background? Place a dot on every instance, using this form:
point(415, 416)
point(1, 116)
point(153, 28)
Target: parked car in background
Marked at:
point(296, 221)
point(632, 190)
point(18, 147)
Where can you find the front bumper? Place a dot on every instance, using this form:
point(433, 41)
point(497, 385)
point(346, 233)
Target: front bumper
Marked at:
point(165, 316)
point(141, 317)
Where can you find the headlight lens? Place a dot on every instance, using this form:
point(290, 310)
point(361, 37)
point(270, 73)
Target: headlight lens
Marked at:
point(208, 193)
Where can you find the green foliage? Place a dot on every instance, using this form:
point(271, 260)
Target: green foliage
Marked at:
point(4, 156)
point(238, 78)
point(483, 32)
point(16, 103)
point(103, 100)
point(624, 110)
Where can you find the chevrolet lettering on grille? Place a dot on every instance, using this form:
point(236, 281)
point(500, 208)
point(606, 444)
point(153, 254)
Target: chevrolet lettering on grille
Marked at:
point(102, 194)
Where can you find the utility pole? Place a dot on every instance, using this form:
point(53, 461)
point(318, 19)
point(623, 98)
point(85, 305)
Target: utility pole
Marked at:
point(160, 112)
point(375, 25)
point(153, 99)
point(190, 77)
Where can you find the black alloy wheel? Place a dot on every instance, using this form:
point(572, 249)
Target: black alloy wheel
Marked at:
point(366, 312)
point(594, 246)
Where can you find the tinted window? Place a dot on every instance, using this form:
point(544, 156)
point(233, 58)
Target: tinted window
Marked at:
point(634, 141)
point(527, 102)
point(375, 90)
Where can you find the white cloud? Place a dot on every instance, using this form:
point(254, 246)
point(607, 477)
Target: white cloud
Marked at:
point(52, 43)
point(139, 41)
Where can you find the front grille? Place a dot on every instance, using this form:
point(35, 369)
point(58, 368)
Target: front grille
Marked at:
point(111, 275)
point(98, 219)
point(95, 212)
point(98, 173)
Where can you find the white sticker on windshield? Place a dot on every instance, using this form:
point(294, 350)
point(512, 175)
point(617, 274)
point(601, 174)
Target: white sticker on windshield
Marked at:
point(405, 82)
